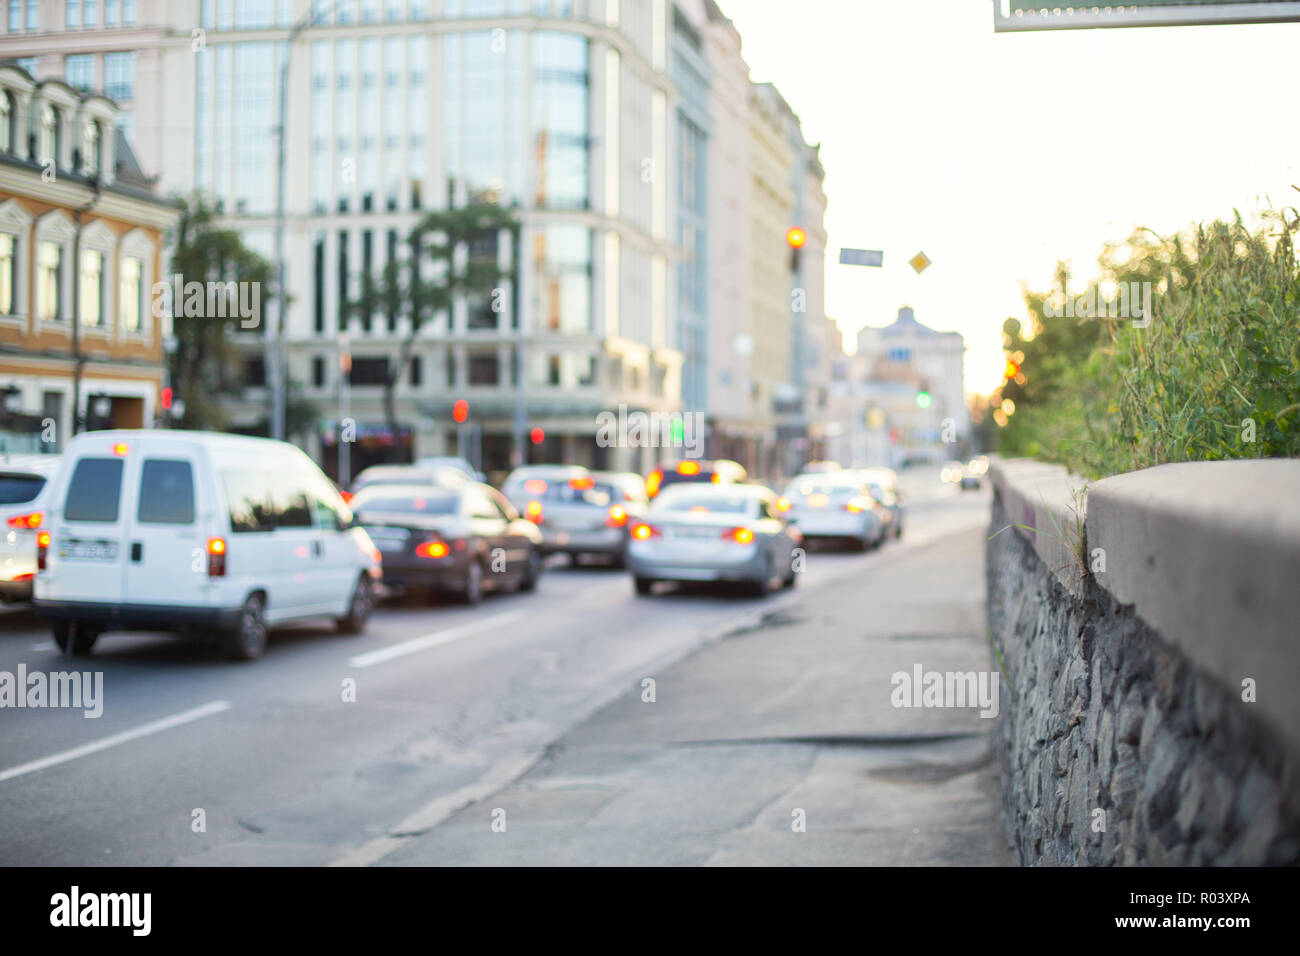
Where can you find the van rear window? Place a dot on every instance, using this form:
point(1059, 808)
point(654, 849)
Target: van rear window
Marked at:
point(166, 492)
point(94, 491)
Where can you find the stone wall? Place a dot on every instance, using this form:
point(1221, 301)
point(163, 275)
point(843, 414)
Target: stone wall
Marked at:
point(1118, 745)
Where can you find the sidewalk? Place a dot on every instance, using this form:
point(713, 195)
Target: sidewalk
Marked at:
point(792, 715)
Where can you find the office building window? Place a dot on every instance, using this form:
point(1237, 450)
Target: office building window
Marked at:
point(318, 285)
point(6, 121)
point(47, 144)
point(49, 286)
point(92, 288)
point(484, 369)
point(8, 273)
point(318, 372)
point(90, 148)
point(130, 293)
point(559, 117)
point(79, 71)
point(119, 76)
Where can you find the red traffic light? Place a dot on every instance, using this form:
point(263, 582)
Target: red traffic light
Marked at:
point(166, 399)
point(460, 411)
point(796, 237)
point(537, 435)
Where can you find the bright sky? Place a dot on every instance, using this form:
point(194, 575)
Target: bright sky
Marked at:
point(998, 154)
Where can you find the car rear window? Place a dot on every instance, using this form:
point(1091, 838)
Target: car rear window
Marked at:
point(95, 490)
point(20, 489)
point(431, 504)
point(166, 492)
point(714, 504)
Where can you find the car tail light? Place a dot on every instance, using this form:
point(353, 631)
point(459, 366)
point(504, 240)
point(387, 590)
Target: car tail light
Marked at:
point(28, 521)
point(716, 478)
point(347, 497)
point(617, 517)
point(856, 506)
point(535, 486)
point(644, 532)
point(653, 482)
point(533, 512)
point(783, 504)
point(688, 468)
point(432, 549)
point(216, 557)
point(581, 484)
point(740, 535)
point(42, 548)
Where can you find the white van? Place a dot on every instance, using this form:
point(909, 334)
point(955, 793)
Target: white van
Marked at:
point(195, 531)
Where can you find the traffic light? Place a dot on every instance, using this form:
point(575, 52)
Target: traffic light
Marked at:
point(167, 399)
point(923, 399)
point(537, 435)
point(795, 237)
point(460, 411)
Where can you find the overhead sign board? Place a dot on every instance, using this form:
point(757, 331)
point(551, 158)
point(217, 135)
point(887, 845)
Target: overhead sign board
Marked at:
point(861, 257)
point(1012, 16)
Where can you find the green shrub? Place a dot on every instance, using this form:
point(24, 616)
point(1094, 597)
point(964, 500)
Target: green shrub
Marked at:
point(1216, 373)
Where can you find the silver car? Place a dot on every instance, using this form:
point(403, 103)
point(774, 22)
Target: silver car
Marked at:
point(578, 515)
point(698, 532)
point(836, 504)
point(23, 483)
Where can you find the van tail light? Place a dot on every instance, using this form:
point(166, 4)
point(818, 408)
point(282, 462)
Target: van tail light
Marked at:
point(42, 549)
point(216, 557)
point(740, 535)
point(653, 482)
point(617, 517)
point(433, 548)
point(533, 512)
point(644, 532)
point(28, 521)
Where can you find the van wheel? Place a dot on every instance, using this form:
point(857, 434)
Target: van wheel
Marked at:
point(471, 592)
point(248, 638)
point(363, 602)
point(75, 638)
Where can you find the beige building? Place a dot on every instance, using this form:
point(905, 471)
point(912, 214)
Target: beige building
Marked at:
point(81, 236)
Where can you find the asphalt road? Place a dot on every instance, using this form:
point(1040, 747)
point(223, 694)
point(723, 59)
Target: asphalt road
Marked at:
point(451, 704)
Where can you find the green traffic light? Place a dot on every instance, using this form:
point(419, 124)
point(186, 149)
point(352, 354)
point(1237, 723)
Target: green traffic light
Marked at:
point(922, 399)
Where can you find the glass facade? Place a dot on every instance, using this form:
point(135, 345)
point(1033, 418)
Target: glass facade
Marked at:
point(560, 120)
point(561, 255)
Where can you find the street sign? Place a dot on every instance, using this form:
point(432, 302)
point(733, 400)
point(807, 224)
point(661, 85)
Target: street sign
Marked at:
point(920, 262)
point(861, 257)
point(1013, 16)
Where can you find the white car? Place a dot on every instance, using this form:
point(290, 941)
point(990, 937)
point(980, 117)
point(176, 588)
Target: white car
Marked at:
point(838, 505)
point(175, 530)
point(24, 481)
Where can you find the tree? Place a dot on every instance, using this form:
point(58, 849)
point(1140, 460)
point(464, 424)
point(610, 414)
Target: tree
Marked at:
point(205, 365)
point(452, 253)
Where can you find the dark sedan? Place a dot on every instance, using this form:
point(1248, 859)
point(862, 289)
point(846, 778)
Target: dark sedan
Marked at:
point(462, 540)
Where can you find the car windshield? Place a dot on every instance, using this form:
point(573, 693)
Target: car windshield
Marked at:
point(430, 504)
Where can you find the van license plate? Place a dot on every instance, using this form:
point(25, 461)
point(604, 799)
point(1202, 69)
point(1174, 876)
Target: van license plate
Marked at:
point(88, 550)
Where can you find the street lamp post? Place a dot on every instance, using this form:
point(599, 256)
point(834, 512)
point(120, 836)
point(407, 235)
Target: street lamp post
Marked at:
point(275, 332)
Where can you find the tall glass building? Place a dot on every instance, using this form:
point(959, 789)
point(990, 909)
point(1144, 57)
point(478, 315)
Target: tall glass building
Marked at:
point(561, 110)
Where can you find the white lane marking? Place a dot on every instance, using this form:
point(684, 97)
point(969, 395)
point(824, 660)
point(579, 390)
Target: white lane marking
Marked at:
point(499, 775)
point(436, 639)
point(45, 646)
point(144, 730)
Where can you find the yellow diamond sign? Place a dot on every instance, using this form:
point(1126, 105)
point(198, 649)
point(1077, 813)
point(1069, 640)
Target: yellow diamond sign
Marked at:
point(920, 262)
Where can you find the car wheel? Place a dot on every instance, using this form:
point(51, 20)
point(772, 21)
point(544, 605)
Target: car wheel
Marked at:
point(471, 592)
point(532, 572)
point(760, 587)
point(247, 639)
point(75, 638)
point(644, 585)
point(363, 602)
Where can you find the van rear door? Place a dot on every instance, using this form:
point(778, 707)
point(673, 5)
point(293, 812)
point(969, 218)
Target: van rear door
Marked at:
point(88, 553)
point(166, 559)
